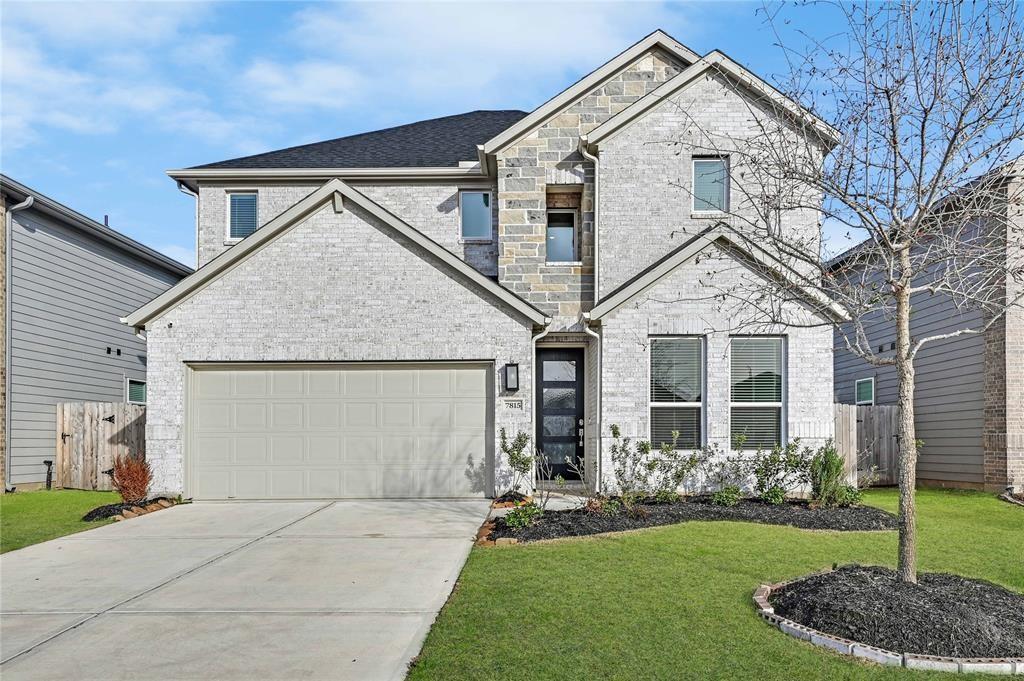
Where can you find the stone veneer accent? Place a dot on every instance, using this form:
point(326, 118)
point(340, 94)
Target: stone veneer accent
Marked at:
point(549, 156)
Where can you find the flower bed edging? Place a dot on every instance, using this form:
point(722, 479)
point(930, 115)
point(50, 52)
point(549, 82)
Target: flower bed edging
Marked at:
point(136, 511)
point(963, 665)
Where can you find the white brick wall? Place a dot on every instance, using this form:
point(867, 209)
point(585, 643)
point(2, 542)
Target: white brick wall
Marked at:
point(333, 288)
point(679, 305)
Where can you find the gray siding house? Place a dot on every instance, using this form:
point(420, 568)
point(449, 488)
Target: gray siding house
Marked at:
point(68, 281)
point(969, 400)
point(369, 312)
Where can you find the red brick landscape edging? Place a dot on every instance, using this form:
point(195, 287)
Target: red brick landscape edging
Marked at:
point(964, 665)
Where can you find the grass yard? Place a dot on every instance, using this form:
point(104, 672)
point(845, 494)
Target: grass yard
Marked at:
point(31, 517)
point(675, 602)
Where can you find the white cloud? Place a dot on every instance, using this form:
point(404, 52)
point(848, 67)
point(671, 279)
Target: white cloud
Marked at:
point(304, 84)
point(104, 24)
point(184, 255)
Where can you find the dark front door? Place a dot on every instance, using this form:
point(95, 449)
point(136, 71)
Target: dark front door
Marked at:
point(560, 422)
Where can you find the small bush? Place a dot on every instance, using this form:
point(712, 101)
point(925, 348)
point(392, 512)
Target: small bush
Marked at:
point(611, 507)
point(774, 496)
point(826, 473)
point(519, 458)
point(848, 496)
point(780, 467)
point(729, 495)
point(664, 496)
point(523, 516)
point(131, 478)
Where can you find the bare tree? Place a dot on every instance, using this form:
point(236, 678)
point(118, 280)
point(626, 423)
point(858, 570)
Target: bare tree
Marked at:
point(914, 152)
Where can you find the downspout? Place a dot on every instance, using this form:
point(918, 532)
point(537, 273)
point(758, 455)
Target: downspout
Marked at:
point(533, 377)
point(9, 242)
point(597, 188)
point(600, 378)
point(183, 188)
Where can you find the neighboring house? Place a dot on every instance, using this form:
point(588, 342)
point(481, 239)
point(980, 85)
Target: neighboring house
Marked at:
point(969, 394)
point(370, 311)
point(68, 280)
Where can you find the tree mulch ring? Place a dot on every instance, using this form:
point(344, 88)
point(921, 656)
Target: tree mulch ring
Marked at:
point(510, 500)
point(944, 615)
point(111, 510)
point(794, 513)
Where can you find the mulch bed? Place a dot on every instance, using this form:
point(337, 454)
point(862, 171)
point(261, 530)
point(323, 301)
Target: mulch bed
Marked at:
point(942, 614)
point(578, 522)
point(110, 510)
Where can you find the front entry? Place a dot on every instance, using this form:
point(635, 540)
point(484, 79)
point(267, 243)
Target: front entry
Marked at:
point(560, 421)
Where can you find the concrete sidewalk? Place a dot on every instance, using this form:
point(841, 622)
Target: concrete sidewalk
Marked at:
point(339, 590)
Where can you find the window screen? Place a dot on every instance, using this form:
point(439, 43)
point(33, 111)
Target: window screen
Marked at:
point(242, 219)
point(710, 184)
point(475, 210)
point(677, 370)
point(137, 391)
point(865, 389)
point(756, 391)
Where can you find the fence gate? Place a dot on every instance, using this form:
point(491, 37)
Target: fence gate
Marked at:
point(90, 435)
point(866, 438)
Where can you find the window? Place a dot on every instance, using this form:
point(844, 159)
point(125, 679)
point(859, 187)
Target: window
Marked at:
point(475, 215)
point(710, 185)
point(756, 392)
point(136, 391)
point(242, 218)
point(677, 371)
point(561, 236)
point(864, 390)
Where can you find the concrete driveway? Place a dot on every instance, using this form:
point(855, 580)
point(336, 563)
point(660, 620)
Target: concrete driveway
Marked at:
point(339, 590)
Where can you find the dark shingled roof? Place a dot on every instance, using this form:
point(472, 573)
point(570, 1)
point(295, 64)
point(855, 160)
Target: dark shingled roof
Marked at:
point(437, 143)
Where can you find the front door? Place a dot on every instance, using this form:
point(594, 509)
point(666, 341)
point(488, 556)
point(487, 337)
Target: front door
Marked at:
point(560, 422)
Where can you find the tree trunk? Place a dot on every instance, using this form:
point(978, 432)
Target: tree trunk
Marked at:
point(907, 561)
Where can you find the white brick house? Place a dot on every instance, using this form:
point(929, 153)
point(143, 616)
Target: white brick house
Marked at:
point(369, 312)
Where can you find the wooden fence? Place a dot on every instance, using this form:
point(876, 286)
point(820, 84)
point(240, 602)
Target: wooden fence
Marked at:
point(866, 438)
point(90, 435)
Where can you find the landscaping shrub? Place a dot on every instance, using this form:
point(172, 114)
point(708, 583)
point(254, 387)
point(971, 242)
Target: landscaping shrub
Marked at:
point(721, 470)
point(519, 458)
point(642, 472)
point(826, 473)
point(848, 495)
point(523, 516)
point(778, 470)
point(664, 496)
point(729, 495)
point(631, 464)
point(132, 476)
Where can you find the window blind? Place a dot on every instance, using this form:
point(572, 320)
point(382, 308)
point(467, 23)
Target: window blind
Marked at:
point(675, 370)
point(756, 369)
point(137, 391)
point(865, 391)
point(759, 427)
point(242, 221)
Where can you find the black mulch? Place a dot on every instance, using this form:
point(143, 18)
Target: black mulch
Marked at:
point(110, 510)
point(578, 522)
point(942, 614)
point(510, 498)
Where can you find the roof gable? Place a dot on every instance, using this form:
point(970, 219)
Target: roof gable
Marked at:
point(764, 264)
point(580, 88)
point(338, 193)
point(713, 61)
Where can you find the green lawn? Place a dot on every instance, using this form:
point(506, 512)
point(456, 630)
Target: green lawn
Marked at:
point(31, 517)
point(675, 602)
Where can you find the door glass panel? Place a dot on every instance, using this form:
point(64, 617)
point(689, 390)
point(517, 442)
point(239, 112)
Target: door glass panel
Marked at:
point(556, 426)
point(559, 370)
point(559, 398)
point(560, 453)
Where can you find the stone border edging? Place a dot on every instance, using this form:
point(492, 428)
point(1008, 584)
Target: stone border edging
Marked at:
point(964, 665)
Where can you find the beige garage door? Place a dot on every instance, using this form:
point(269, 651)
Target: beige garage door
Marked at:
point(306, 431)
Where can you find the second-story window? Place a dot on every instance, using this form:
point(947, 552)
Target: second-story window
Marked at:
point(475, 215)
point(242, 214)
point(562, 241)
point(710, 185)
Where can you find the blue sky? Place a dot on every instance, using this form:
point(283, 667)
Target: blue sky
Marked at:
point(99, 99)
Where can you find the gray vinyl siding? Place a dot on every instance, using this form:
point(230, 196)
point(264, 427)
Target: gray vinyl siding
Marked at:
point(68, 291)
point(949, 398)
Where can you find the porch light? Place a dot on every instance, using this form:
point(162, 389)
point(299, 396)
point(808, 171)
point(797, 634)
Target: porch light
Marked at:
point(512, 377)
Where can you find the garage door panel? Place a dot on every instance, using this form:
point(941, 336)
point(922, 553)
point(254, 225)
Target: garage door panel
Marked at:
point(401, 431)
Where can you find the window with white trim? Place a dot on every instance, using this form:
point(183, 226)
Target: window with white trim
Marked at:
point(475, 215)
point(243, 218)
point(710, 185)
point(864, 390)
point(677, 391)
point(135, 391)
point(756, 391)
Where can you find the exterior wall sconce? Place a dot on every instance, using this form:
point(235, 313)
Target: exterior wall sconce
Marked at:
point(511, 377)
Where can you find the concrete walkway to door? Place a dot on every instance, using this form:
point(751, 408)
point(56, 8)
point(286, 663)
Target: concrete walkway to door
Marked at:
point(332, 590)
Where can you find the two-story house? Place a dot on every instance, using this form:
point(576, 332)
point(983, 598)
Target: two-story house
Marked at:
point(369, 312)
